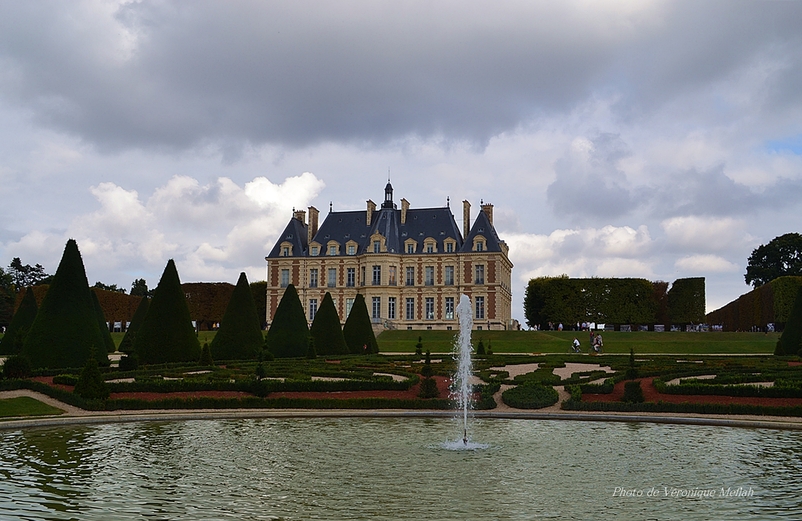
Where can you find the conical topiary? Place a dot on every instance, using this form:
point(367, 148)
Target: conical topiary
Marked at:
point(66, 327)
point(11, 343)
point(102, 324)
point(127, 345)
point(789, 342)
point(166, 334)
point(206, 356)
point(240, 334)
point(288, 334)
point(326, 330)
point(358, 331)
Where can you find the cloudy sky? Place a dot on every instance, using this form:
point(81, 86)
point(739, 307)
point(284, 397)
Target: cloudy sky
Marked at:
point(621, 138)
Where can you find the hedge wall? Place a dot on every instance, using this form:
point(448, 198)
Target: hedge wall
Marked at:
point(767, 304)
point(616, 301)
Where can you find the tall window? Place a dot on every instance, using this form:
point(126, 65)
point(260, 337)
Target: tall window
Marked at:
point(377, 275)
point(429, 308)
point(450, 247)
point(313, 278)
point(349, 303)
point(429, 270)
point(331, 280)
point(480, 246)
point(377, 246)
point(479, 274)
point(377, 308)
point(312, 308)
point(410, 309)
point(449, 308)
point(314, 251)
point(362, 279)
point(285, 251)
point(351, 249)
point(410, 275)
point(391, 308)
point(391, 277)
point(350, 277)
point(410, 248)
point(449, 275)
point(480, 307)
point(285, 278)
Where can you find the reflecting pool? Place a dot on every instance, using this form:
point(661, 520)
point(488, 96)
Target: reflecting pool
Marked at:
point(399, 468)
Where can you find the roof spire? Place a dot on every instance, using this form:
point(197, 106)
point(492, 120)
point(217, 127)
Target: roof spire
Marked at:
point(331, 206)
point(448, 201)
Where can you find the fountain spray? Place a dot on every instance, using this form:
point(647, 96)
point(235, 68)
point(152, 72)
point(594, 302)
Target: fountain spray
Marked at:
point(463, 350)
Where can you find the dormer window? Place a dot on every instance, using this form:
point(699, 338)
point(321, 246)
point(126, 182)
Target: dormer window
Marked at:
point(285, 251)
point(377, 246)
point(314, 251)
point(410, 248)
point(480, 246)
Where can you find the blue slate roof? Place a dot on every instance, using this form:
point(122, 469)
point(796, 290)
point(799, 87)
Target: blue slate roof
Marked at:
point(421, 223)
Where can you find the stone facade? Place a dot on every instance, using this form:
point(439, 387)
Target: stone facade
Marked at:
point(411, 265)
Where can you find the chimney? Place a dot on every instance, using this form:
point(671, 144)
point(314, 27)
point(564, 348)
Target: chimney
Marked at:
point(312, 230)
point(488, 210)
point(300, 215)
point(404, 208)
point(371, 209)
point(466, 219)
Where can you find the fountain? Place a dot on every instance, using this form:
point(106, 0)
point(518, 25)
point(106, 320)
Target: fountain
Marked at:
point(462, 391)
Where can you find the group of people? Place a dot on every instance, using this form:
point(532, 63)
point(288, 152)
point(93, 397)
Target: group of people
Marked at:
point(596, 343)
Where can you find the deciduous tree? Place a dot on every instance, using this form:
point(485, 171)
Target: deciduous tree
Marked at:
point(779, 257)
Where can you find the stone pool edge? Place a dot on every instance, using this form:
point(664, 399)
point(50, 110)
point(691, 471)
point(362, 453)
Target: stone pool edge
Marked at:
point(91, 418)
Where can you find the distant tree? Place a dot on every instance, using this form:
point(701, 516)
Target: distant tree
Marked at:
point(779, 257)
point(15, 335)
point(288, 335)
point(790, 342)
point(240, 334)
point(66, 327)
point(90, 384)
point(686, 301)
point(166, 334)
point(112, 287)
point(25, 275)
point(358, 329)
point(102, 324)
point(326, 330)
point(139, 288)
point(127, 345)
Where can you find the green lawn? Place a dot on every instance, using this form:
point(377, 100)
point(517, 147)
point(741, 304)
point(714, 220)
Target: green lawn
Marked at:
point(560, 342)
point(25, 406)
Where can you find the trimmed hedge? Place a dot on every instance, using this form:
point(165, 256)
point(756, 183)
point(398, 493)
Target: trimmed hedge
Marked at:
point(696, 408)
point(530, 396)
point(288, 336)
point(779, 391)
point(11, 343)
point(240, 334)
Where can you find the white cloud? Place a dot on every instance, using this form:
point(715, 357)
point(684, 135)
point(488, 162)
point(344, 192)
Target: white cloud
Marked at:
point(706, 234)
point(705, 264)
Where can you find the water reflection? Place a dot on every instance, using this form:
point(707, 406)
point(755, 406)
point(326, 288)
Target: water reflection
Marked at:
point(395, 469)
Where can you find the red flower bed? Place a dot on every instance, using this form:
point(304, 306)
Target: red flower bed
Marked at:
point(650, 394)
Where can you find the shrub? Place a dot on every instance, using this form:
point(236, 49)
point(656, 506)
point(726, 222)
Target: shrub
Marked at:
point(358, 329)
point(530, 396)
point(789, 342)
point(240, 334)
point(480, 348)
point(65, 379)
point(206, 356)
point(311, 351)
point(12, 341)
point(166, 334)
point(90, 385)
point(326, 330)
point(288, 334)
point(632, 371)
point(66, 327)
point(129, 363)
point(16, 366)
point(108, 343)
point(419, 346)
point(633, 392)
point(575, 391)
point(127, 344)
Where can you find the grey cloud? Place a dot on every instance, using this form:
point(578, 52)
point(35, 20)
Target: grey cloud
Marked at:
point(297, 74)
point(591, 188)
